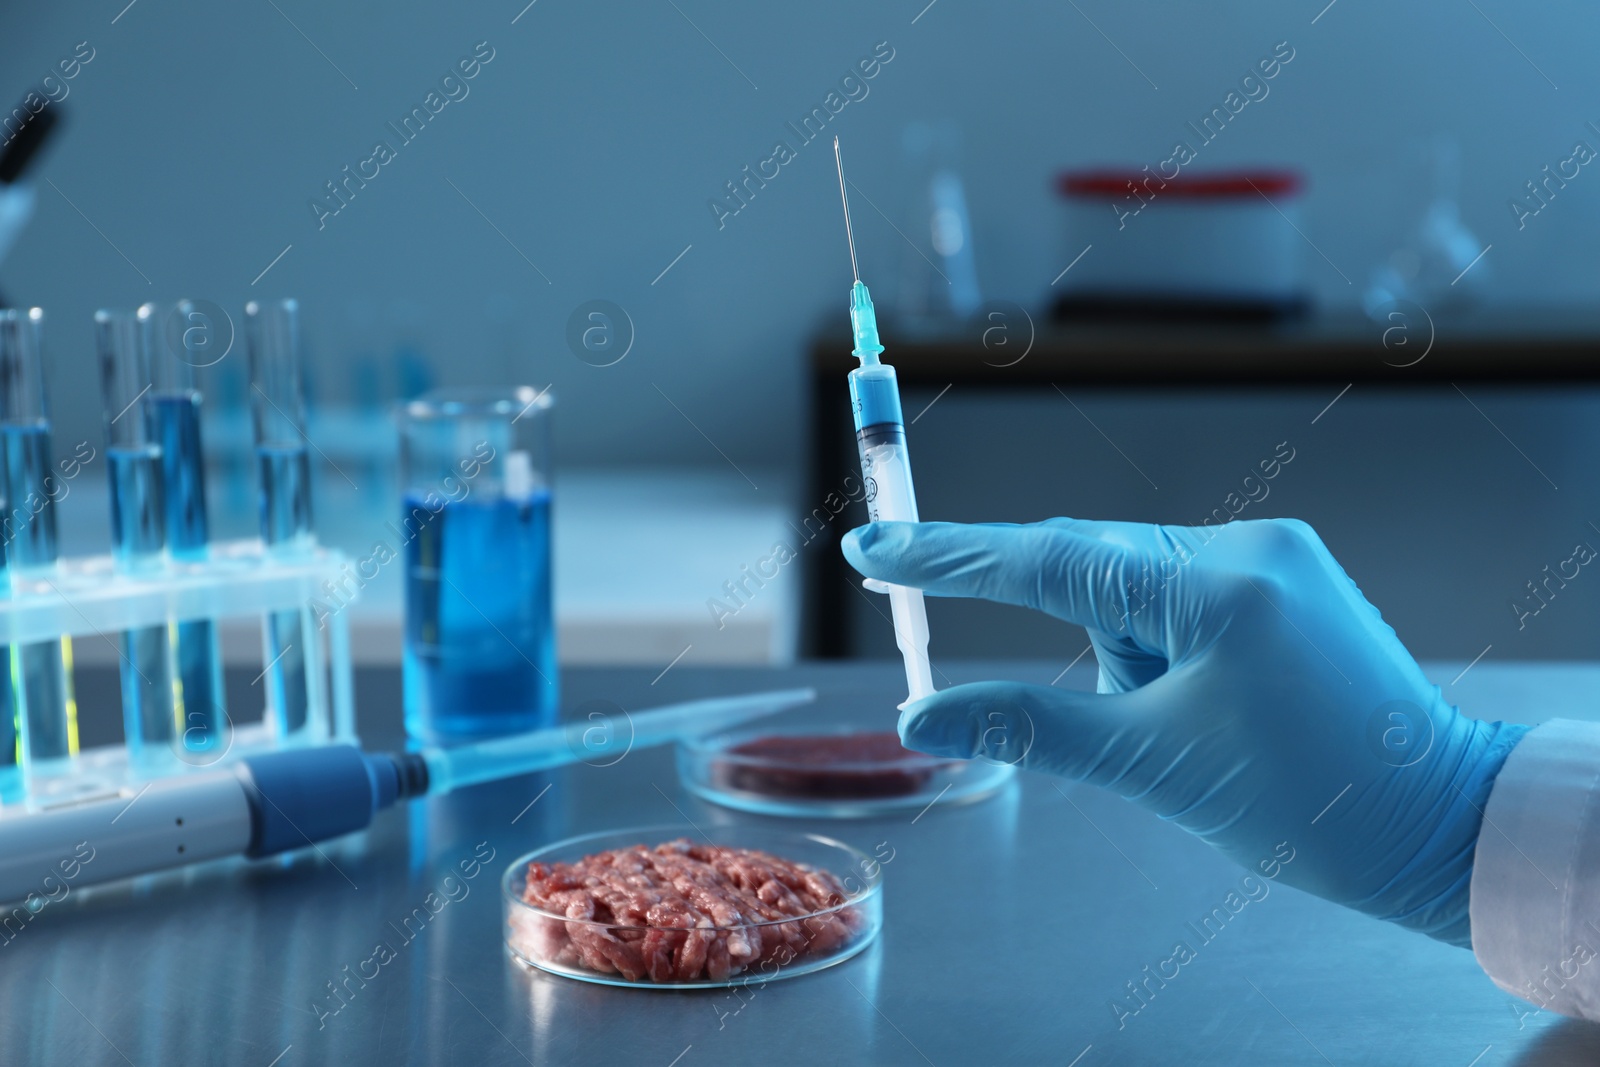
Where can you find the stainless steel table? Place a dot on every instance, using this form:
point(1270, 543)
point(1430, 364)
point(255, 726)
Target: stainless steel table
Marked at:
point(1012, 926)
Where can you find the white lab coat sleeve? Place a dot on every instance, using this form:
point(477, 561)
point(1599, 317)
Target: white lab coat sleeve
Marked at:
point(1535, 896)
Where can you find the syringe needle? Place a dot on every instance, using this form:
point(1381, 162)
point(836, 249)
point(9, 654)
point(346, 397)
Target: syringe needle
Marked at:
point(845, 197)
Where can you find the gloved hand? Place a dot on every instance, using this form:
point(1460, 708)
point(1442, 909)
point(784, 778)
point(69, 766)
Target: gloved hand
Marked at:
point(1248, 692)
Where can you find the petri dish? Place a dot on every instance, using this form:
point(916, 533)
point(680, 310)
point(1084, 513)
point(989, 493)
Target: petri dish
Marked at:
point(821, 770)
point(753, 950)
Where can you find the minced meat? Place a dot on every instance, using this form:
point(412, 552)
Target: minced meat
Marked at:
point(682, 912)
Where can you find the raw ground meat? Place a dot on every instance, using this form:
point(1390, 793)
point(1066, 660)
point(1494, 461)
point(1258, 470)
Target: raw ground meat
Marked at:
point(856, 766)
point(681, 912)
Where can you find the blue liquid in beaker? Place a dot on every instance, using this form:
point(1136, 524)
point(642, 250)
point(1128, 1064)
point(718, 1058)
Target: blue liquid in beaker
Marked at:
point(479, 635)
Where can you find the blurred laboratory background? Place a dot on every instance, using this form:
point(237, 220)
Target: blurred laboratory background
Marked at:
point(1146, 261)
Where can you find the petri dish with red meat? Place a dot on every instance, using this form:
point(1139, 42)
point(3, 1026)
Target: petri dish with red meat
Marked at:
point(668, 907)
point(815, 764)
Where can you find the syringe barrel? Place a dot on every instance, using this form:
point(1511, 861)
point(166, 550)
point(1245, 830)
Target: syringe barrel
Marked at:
point(886, 474)
point(886, 471)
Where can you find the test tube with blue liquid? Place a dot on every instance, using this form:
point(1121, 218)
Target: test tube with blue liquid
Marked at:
point(479, 657)
point(125, 340)
point(277, 405)
point(40, 673)
point(174, 400)
point(11, 711)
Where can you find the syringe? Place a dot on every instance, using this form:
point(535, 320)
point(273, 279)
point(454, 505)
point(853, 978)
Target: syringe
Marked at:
point(885, 463)
point(281, 801)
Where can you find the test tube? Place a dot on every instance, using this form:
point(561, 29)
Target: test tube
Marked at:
point(124, 341)
point(49, 723)
point(10, 706)
point(174, 400)
point(11, 712)
point(277, 406)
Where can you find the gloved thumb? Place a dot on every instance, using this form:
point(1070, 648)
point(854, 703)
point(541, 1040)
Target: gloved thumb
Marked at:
point(1090, 737)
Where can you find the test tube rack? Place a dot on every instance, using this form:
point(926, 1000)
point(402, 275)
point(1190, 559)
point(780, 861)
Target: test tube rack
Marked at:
point(88, 599)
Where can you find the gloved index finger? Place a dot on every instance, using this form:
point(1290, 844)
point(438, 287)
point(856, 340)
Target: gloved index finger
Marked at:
point(1054, 569)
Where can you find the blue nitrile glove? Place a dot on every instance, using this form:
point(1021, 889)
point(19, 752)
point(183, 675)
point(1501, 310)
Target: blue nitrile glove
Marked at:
point(1248, 692)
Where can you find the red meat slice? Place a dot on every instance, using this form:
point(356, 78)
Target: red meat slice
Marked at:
point(856, 766)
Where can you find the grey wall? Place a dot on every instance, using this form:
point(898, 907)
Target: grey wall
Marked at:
point(595, 138)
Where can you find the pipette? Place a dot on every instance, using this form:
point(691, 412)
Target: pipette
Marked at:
point(286, 800)
point(885, 463)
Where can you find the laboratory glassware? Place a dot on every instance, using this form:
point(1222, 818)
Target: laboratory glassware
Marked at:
point(175, 400)
point(885, 463)
point(479, 655)
point(11, 783)
point(41, 670)
point(124, 341)
point(819, 763)
point(941, 285)
point(277, 406)
point(783, 948)
point(1435, 266)
point(1221, 245)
